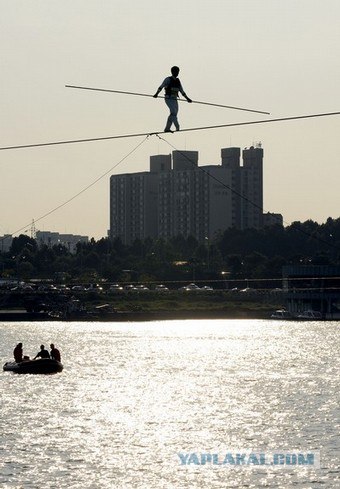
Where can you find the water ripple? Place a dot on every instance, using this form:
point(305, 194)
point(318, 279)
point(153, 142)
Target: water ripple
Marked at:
point(132, 396)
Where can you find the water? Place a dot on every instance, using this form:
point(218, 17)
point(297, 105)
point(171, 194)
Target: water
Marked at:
point(134, 395)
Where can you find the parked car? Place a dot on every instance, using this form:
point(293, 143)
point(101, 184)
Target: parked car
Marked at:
point(47, 288)
point(94, 288)
point(189, 287)
point(142, 288)
point(63, 288)
point(281, 314)
point(161, 288)
point(23, 286)
point(115, 288)
point(130, 288)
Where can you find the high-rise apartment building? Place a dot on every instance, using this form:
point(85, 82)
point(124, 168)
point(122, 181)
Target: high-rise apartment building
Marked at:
point(133, 206)
point(177, 197)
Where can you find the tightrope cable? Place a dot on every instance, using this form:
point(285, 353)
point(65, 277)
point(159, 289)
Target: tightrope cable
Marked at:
point(155, 133)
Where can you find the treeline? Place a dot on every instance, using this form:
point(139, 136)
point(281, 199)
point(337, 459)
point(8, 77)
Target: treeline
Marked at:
point(234, 255)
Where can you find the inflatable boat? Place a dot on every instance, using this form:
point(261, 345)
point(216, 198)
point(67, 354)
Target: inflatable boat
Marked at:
point(39, 366)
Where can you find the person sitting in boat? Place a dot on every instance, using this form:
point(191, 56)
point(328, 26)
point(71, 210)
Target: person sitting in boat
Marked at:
point(18, 353)
point(55, 353)
point(42, 353)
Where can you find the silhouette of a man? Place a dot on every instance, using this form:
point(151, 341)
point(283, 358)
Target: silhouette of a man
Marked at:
point(42, 353)
point(55, 353)
point(172, 86)
point(18, 353)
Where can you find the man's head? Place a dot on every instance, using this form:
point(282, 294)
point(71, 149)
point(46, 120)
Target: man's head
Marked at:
point(175, 71)
point(52, 346)
point(42, 347)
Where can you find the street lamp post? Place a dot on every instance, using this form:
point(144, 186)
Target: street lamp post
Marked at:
point(224, 277)
point(208, 253)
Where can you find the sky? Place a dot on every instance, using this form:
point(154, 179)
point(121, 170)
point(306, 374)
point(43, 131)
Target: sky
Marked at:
point(271, 55)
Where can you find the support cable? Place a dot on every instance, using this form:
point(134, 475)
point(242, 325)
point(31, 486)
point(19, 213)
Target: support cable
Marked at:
point(243, 197)
point(155, 133)
point(80, 192)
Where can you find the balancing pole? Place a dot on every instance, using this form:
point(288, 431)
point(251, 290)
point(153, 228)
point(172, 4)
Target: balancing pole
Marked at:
point(182, 100)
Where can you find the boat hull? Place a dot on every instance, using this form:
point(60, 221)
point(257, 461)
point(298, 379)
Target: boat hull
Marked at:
point(39, 366)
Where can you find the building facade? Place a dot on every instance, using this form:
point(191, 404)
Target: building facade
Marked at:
point(5, 243)
point(178, 197)
point(50, 239)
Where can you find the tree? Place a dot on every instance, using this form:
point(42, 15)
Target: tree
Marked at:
point(21, 243)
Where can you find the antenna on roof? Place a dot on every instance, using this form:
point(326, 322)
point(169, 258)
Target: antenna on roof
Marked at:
point(33, 230)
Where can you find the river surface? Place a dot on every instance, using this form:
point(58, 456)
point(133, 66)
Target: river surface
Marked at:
point(133, 396)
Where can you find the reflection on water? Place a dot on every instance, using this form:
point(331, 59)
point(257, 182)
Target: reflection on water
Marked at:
point(134, 395)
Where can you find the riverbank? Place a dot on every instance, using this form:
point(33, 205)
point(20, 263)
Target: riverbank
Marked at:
point(233, 311)
point(134, 306)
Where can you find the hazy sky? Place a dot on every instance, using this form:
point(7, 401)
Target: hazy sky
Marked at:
point(273, 55)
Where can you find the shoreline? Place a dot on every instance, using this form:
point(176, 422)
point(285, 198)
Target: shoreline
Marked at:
point(22, 316)
point(148, 307)
point(144, 316)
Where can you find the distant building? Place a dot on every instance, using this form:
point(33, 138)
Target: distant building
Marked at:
point(177, 197)
point(246, 183)
point(133, 206)
point(50, 239)
point(47, 238)
point(271, 219)
point(5, 242)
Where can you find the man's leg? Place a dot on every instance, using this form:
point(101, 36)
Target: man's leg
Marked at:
point(174, 114)
point(172, 103)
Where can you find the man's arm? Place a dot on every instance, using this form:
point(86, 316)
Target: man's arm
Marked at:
point(184, 94)
point(164, 84)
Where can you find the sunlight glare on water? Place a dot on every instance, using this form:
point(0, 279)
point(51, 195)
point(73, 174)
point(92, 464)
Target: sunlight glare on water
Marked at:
point(134, 395)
